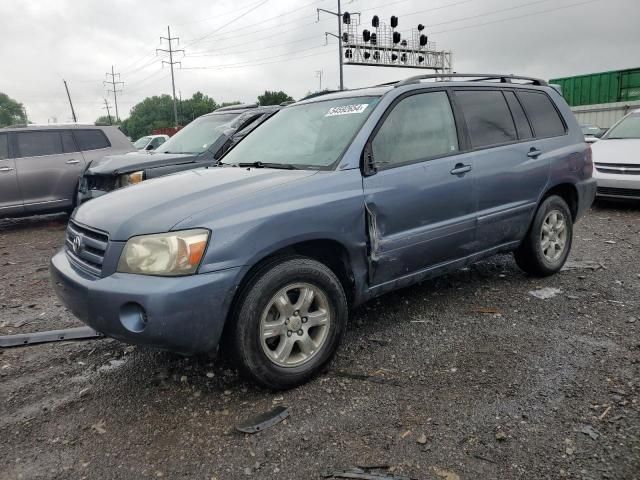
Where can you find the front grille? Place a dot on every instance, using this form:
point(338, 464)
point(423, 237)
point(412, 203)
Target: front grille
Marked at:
point(86, 247)
point(619, 192)
point(106, 183)
point(619, 168)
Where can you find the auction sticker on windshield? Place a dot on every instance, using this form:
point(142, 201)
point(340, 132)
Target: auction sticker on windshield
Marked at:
point(346, 109)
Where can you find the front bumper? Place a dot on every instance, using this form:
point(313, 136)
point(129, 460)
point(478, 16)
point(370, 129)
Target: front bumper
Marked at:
point(615, 185)
point(181, 314)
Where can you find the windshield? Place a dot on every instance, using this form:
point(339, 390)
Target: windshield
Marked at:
point(199, 135)
point(307, 135)
point(628, 127)
point(141, 142)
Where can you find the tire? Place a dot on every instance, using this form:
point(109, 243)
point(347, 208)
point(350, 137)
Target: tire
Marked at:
point(530, 255)
point(311, 344)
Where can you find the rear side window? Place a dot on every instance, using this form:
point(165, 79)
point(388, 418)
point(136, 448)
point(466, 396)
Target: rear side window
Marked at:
point(419, 127)
point(91, 139)
point(545, 120)
point(487, 116)
point(68, 145)
point(35, 144)
point(4, 146)
point(522, 125)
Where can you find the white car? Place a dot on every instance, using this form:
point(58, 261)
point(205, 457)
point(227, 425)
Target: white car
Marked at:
point(616, 158)
point(150, 142)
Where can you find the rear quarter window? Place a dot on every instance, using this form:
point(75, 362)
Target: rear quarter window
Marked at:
point(37, 144)
point(544, 117)
point(487, 116)
point(91, 139)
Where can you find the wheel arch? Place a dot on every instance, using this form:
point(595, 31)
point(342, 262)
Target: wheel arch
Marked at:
point(568, 192)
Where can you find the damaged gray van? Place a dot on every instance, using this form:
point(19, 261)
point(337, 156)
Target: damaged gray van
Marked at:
point(334, 201)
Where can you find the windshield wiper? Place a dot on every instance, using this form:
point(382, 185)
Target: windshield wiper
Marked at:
point(284, 166)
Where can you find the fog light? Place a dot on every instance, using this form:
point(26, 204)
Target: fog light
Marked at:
point(133, 317)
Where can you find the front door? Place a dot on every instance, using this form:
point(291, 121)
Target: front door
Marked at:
point(10, 197)
point(421, 201)
point(49, 166)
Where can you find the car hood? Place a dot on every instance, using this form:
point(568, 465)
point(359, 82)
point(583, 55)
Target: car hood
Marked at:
point(159, 204)
point(130, 162)
point(617, 151)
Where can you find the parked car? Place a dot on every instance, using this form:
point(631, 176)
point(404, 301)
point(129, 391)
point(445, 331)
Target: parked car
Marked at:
point(617, 160)
point(333, 201)
point(200, 144)
point(592, 133)
point(150, 142)
point(40, 165)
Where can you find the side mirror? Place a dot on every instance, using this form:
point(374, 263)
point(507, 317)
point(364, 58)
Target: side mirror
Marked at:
point(149, 147)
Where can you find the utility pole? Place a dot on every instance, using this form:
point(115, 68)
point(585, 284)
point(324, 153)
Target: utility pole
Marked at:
point(319, 75)
point(106, 105)
point(113, 90)
point(73, 112)
point(339, 37)
point(171, 51)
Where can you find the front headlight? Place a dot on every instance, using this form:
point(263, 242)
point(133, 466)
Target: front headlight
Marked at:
point(130, 178)
point(170, 254)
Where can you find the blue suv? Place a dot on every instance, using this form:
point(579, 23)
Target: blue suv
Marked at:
point(334, 201)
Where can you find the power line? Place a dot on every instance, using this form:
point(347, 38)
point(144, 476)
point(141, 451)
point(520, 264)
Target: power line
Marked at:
point(171, 63)
point(114, 89)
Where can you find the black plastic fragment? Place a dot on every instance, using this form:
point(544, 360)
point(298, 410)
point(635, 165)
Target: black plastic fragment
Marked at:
point(264, 420)
point(25, 339)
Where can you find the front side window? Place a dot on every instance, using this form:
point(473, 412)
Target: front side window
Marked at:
point(628, 127)
point(543, 116)
point(156, 142)
point(487, 116)
point(36, 144)
point(199, 135)
point(312, 135)
point(91, 139)
point(419, 127)
point(4, 146)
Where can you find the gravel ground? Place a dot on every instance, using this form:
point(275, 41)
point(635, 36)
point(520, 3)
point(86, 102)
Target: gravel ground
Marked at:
point(465, 377)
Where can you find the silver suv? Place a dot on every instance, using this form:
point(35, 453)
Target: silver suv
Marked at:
point(40, 165)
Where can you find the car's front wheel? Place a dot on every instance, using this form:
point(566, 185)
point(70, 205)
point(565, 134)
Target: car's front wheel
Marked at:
point(546, 246)
point(288, 322)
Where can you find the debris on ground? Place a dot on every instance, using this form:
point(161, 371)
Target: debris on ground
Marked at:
point(501, 436)
point(99, 427)
point(589, 430)
point(582, 265)
point(492, 310)
point(422, 439)
point(545, 293)
point(446, 474)
point(264, 420)
point(24, 339)
point(364, 474)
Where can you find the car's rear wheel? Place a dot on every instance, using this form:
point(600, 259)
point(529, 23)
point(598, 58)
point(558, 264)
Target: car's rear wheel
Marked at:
point(288, 322)
point(548, 241)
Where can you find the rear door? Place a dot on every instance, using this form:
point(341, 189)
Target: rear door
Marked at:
point(94, 144)
point(10, 196)
point(421, 200)
point(509, 171)
point(48, 165)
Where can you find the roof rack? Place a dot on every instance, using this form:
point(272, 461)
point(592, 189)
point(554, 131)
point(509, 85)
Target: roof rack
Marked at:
point(477, 77)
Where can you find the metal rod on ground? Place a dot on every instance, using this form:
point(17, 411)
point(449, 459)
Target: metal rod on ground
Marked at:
point(24, 339)
point(73, 112)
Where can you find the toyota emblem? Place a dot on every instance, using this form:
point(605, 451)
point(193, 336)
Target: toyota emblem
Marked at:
point(77, 244)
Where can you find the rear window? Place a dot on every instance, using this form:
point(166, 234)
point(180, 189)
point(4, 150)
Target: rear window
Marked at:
point(544, 117)
point(35, 144)
point(91, 139)
point(4, 146)
point(487, 116)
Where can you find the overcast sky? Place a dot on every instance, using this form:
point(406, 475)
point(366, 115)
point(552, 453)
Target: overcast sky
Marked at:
point(248, 46)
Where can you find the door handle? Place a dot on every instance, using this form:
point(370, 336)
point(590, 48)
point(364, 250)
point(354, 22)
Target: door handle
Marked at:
point(534, 153)
point(460, 169)
point(6, 169)
point(73, 161)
